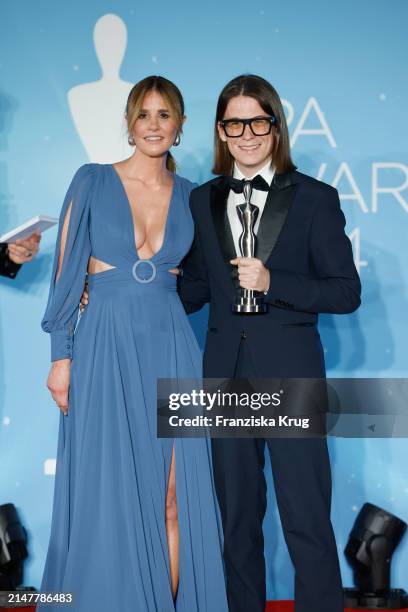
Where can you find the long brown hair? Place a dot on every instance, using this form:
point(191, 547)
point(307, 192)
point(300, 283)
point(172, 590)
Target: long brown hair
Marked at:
point(262, 91)
point(170, 93)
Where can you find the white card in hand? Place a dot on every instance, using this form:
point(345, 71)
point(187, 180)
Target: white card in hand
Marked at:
point(40, 223)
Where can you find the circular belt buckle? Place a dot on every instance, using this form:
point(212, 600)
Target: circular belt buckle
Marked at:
point(137, 277)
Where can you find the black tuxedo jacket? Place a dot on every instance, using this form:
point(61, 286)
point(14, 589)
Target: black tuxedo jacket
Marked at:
point(7, 267)
point(301, 240)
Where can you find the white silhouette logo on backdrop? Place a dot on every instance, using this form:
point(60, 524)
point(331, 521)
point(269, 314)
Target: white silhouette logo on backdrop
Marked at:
point(98, 108)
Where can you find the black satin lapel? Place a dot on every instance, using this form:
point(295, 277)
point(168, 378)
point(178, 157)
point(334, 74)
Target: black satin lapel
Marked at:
point(219, 195)
point(273, 218)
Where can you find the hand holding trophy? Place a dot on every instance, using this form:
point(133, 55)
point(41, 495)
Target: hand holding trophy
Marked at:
point(248, 301)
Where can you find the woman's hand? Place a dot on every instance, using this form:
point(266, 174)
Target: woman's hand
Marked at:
point(22, 251)
point(175, 271)
point(58, 383)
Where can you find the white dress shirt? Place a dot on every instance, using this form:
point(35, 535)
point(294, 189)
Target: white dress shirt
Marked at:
point(258, 198)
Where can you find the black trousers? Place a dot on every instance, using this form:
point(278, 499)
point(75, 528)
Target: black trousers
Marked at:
point(302, 480)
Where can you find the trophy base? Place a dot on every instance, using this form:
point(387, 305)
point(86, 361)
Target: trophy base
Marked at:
point(394, 599)
point(254, 306)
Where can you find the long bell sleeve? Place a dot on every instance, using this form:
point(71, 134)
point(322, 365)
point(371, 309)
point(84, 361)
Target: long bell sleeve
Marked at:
point(70, 264)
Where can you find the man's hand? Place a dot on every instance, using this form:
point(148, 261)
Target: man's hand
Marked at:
point(58, 383)
point(21, 251)
point(252, 273)
point(84, 298)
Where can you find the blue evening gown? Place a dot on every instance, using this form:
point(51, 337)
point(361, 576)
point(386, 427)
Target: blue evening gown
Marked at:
point(108, 540)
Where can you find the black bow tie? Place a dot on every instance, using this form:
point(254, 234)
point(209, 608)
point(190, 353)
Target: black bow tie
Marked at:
point(258, 182)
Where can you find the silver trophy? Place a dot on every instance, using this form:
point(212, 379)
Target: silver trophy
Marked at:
point(248, 300)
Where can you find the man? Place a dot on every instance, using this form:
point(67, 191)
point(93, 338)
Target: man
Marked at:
point(303, 265)
point(13, 255)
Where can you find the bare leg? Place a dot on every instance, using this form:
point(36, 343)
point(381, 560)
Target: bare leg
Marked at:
point(172, 527)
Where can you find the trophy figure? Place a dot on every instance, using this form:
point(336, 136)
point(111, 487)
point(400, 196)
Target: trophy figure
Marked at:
point(248, 301)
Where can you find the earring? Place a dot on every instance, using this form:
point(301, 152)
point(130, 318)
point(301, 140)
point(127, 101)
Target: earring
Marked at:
point(131, 141)
point(177, 141)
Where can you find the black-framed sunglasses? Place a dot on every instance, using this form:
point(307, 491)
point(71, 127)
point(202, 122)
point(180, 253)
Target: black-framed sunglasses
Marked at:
point(259, 126)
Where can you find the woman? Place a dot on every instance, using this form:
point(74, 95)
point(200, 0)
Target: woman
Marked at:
point(121, 537)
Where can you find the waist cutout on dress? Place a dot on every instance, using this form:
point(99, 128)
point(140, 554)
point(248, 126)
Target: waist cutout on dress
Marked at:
point(143, 277)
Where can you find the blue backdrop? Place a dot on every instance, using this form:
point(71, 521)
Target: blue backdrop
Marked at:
point(65, 70)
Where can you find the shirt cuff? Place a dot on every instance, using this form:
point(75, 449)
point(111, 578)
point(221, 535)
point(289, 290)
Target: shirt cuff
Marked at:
point(61, 345)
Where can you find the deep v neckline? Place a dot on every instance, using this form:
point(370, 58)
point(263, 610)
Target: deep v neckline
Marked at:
point(132, 224)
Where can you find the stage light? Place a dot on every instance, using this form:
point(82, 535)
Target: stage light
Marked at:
point(13, 548)
point(375, 535)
